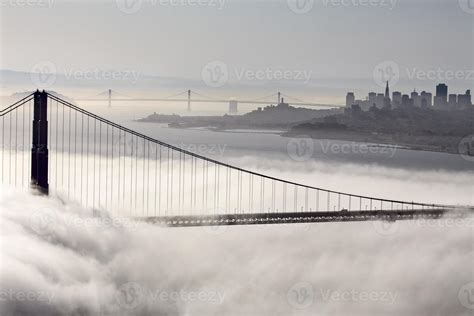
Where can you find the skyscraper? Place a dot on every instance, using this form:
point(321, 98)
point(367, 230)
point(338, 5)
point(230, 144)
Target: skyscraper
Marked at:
point(464, 100)
point(441, 99)
point(452, 100)
point(350, 98)
point(415, 98)
point(387, 91)
point(426, 99)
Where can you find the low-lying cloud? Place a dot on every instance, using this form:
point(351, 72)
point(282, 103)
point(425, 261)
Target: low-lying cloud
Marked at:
point(58, 258)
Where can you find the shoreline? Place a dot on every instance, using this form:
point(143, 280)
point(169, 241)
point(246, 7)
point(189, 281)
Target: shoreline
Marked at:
point(371, 140)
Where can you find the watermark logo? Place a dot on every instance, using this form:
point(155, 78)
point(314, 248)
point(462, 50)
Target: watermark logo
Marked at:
point(215, 74)
point(102, 74)
point(300, 148)
point(27, 3)
point(42, 220)
point(356, 295)
point(386, 71)
point(12, 295)
point(129, 295)
point(361, 3)
point(440, 74)
point(467, 6)
point(300, 6)
point(466, 148)
point(205, 149)
point(385, 228)
point(300, 295)
point(466, 295)
point(43, 74)
point(215, 229)
point(268, 74)
point(129, 6)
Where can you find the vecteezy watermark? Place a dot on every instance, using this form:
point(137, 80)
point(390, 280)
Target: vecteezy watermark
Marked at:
point(131, 295)
point(305, 6)
point(300, 148)
point(466, 148)
point(354, 295)
point(129, 6)
point(269, 74)
point(44, 74)
point(133, 6)
point(356, 148)
point(300, 295)
point(12, 295)
point(216, 74)
point(27, 3)
point(205, 149)
point(466, 295)
point(215, 229)
point(101, 74)
point(44, 221)
point(300, 6)
point(386, 71)
point(467, 6)
point(440, 74)
point(361, 3)
point(391, 71)
point(385, 228)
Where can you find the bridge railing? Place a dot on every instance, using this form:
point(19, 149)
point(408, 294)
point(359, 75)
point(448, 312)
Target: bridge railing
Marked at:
point(103, 165)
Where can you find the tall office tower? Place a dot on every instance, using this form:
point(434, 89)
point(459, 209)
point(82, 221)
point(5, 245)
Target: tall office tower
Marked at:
point(405, 100)
point(350, 98)
point(452, 100)
point(441, 99)
point(372, 98)
point(396, 99)
point(387, 91)
point(464, 100)
point(415, 98)
point(379, 101)
point(426, 99)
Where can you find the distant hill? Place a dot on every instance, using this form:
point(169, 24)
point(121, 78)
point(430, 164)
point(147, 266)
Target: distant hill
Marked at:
point(413, 127)
point(281, 116)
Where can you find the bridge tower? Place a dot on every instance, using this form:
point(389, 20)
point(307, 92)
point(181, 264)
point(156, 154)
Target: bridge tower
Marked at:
point(110, 98)
point(279, 98)
point(39, 149)
point(189, 100)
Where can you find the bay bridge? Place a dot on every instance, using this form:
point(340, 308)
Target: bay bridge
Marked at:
point(110, 96)
point(55, 147)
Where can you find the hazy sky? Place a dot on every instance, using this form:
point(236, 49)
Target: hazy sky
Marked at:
point(333, 39)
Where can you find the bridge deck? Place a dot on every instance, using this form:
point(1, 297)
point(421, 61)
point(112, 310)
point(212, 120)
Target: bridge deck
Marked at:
point(302, 217)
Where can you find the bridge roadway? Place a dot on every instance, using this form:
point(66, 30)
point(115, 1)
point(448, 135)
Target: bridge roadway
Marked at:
point(305, 217)
point(210, 101)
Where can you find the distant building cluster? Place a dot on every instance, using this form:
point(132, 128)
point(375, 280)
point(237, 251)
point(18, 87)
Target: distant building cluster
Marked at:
point(441, 101)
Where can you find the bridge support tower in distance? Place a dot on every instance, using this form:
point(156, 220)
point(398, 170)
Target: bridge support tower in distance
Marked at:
point(189, 100)
point(233, 106)
point(279, 98)
point(39, 149)
point(110, 98)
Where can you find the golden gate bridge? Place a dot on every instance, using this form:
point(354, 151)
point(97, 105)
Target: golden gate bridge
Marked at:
point(55, 147)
